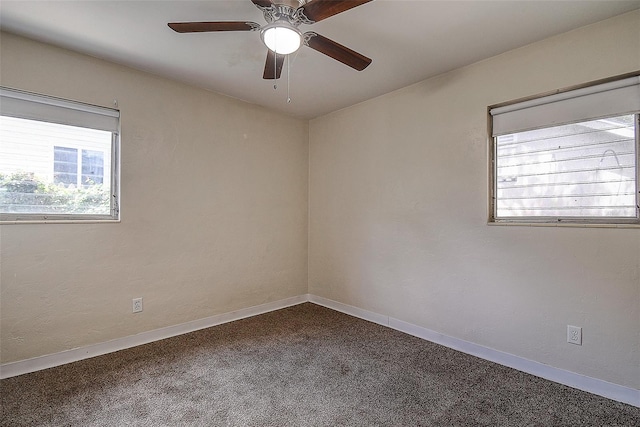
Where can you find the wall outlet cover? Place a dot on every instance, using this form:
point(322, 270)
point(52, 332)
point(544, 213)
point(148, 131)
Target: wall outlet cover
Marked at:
point(574, 335)
point(137, 305)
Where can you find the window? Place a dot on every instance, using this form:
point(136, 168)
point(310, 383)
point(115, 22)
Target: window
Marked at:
point(65, 165)
point(92, 167)
point(569, 157)
point(58, 159)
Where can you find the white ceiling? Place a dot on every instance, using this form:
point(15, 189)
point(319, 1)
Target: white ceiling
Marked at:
point(408, 41)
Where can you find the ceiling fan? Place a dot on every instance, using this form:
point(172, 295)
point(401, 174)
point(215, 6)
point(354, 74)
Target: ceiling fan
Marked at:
point(281, 34)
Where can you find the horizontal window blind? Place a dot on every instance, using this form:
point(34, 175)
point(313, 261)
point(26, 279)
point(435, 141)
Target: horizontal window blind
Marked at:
point(584, 170)
point(608, 99)
point(24, 105)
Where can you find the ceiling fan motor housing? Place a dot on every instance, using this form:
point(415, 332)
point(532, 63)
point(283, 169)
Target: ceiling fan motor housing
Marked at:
point(285, 10)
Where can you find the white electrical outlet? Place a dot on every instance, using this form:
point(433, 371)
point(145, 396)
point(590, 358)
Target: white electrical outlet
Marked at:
point(137, 305)
point(574, 335)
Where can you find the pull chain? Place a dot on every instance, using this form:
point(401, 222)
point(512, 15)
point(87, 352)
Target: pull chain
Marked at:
point(275, 64)
point(275, 70)
point(288, 79)
point(289, 65)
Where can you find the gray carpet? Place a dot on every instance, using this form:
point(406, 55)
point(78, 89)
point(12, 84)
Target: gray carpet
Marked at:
point(302, 366)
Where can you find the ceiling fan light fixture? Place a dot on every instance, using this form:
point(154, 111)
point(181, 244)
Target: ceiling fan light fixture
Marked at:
point(281, 37)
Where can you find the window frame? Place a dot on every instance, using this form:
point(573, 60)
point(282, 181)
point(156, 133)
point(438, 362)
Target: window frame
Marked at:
point(79, 108)
point(618, 222)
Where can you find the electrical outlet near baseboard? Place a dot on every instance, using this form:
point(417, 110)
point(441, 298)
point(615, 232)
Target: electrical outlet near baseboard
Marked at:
point(137, 305)
point(574, 335)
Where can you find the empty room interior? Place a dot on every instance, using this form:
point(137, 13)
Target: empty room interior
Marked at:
point(367, 200)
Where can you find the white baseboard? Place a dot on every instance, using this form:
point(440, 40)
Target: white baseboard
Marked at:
point(602, 388)
point(13, 369)
point(592, 385)
point(350, 310)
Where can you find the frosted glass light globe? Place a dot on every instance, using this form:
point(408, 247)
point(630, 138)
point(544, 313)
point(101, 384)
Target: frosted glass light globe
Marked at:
point(282, 39)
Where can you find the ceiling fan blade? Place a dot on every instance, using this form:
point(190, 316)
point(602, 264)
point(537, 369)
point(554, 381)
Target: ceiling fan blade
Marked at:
point(317, 10)
point(273, 65)
point(262, 3)
point(199, 27)
point(336, 51)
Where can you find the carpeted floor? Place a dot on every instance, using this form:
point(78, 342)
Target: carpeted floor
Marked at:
point(302, 366)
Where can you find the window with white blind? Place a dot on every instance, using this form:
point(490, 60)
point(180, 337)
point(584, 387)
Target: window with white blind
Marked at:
point(568, 157)
point(58, 159)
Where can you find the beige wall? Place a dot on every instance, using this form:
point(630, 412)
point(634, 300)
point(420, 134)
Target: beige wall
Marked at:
point(398, 202)
point(214, 212)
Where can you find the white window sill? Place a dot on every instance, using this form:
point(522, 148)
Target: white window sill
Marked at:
point(562, 224)
point(62, 221)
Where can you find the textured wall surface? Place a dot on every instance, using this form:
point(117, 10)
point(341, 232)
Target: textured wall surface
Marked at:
point(398, 216)
point(214, 212)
